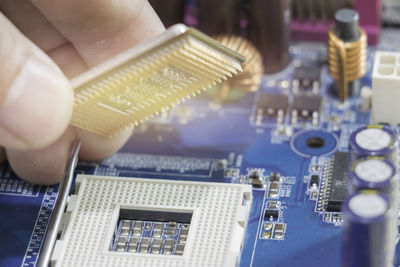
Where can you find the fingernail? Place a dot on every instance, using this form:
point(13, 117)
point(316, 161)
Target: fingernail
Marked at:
point(38, 105)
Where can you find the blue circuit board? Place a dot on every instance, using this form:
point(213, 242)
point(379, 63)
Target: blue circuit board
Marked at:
point(203, 141)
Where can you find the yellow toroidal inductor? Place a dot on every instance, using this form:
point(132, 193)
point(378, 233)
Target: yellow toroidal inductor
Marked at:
point(250, 78)
point(347, 49)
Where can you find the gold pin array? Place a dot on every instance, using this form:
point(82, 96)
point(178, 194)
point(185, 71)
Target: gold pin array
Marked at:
point(253, 70)
point(150, 78)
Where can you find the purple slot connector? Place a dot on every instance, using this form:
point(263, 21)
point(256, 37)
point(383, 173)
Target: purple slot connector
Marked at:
point(310, 31)
point(370, 18)
point(369, 11)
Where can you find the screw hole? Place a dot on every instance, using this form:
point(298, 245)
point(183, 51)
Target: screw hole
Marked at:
point(315, 142)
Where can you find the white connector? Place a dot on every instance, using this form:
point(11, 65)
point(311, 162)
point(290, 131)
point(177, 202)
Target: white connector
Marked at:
point(219, 215)
point(386, 88)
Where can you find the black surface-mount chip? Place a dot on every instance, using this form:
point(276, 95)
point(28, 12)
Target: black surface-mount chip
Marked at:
point(271, 214)
point(336, 182)
point(314, 181)
point(307, 75)
point(306, 105)
point(270, 104)
point(274, 177)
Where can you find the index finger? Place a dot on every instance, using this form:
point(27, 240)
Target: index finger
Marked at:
point(100, 29)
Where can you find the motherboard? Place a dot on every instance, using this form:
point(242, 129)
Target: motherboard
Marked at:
point(286, 144)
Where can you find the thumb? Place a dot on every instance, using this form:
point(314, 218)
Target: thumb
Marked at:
point(35, 98)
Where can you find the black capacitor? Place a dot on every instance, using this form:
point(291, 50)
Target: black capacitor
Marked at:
point(346, 24)
point(219, 16)
point(269, 31)
point(346, 28)
point(170, 11)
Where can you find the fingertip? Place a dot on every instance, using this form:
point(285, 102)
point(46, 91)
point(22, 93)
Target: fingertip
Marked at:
point(96, 147)
point(102, 29)
point(37, 108)
point(34, 171)
point(43, 166)
point(35, 97)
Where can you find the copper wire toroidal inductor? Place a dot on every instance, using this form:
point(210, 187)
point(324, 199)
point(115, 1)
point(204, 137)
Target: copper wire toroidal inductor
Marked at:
point(347, 48)
point(250, 78)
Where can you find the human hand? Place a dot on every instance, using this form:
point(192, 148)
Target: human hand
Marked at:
point(42, 43)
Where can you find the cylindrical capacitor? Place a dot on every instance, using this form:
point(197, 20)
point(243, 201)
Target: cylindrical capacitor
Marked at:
point(368, 237)
point(375, 173)
point(219, 17)
point(170, 12)
point(373, 140)
point(269, 32)
point(372, 173)
point(346, 24)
